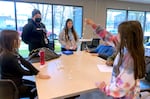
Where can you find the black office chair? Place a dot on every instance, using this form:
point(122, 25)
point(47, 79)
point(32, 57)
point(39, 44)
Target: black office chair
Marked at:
point(145, 83)
point(94, 43)
point(8, 89)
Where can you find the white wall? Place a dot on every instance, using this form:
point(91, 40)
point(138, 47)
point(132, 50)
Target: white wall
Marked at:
point(96, 9)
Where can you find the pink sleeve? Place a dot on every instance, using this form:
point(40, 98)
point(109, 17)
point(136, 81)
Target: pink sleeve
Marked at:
point(104, 34)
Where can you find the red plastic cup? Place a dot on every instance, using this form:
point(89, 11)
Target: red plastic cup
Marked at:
point(42, 57)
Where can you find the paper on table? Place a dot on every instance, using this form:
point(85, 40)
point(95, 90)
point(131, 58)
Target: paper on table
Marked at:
point(104, 68)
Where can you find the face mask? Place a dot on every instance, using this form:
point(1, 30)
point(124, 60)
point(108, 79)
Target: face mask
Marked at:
point(38, 20)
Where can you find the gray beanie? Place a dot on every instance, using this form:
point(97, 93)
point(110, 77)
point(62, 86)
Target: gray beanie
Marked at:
point(35, 11)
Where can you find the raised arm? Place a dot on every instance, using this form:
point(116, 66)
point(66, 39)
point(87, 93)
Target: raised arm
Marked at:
point(102, 32)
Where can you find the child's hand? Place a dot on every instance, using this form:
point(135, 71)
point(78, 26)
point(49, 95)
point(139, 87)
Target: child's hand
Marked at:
point(43, 76)
point(89, 21)
point(74, 47)
point(86, 50)
point(67, 47)
point(109, 63)
point(101, 85)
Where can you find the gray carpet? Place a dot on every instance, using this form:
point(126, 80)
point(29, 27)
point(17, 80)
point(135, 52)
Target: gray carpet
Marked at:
point(94, 95)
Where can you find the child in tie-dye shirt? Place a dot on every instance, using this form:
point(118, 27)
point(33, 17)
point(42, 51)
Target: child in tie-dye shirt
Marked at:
point(129, 64)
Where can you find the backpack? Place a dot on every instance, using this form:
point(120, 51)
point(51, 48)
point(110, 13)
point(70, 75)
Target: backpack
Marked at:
point(49, 55)
point(147, 62)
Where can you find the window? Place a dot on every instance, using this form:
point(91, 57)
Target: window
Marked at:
point(62, 13)
point(53, 16)
point(139, 16)
point(136, 15)
point(7, 15)
point(114, 18)
point(147, 30)
point(78, 20)
point(24, 13)
point(147, 24)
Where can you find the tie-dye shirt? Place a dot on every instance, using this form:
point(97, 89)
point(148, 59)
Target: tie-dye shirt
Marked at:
point(122, 86)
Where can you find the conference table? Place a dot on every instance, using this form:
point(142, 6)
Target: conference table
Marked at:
point(71, 75)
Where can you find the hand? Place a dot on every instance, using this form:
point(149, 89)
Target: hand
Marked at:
point(89, 22)
point(101, 85)
point(109, 63)
point(74, 47)
point(86, 50)
point(43, 76)
point(67, 47)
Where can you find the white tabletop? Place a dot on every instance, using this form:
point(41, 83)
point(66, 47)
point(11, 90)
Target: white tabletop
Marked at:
point(70, 75)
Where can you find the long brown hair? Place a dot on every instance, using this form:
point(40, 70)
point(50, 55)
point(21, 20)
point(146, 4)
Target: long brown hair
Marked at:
point(8, 39)
point(72, 29)
point(131, 37)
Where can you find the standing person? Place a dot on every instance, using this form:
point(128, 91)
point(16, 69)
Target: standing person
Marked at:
point(68, 37)
point(34, 32)
point(11, 64)
point(129, 64)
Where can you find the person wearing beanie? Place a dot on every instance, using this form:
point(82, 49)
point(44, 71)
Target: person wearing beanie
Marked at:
point(34, 32)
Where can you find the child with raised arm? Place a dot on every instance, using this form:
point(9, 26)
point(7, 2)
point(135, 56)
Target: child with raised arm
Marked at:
point(11, 64)
point(129, 64)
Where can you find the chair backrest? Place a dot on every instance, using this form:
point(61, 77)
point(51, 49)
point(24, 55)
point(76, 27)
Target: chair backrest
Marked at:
point(8, 89)
point(145, 83)
point(95, 42)
point(147, 62)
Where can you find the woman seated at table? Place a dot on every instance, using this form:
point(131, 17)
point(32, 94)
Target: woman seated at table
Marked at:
point(103, 50)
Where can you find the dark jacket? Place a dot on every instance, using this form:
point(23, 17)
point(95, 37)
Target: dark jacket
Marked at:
point(34, 35)
point(13, 66)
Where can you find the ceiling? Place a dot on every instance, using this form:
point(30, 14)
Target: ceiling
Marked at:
point(137, 1)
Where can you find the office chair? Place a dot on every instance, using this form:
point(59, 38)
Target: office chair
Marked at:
point(94, 43)
point(145, 83)
point(144, 87)
point(8, 89)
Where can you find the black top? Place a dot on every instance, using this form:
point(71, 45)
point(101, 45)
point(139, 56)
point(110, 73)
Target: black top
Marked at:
point(34, 34)
point(14, 67)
